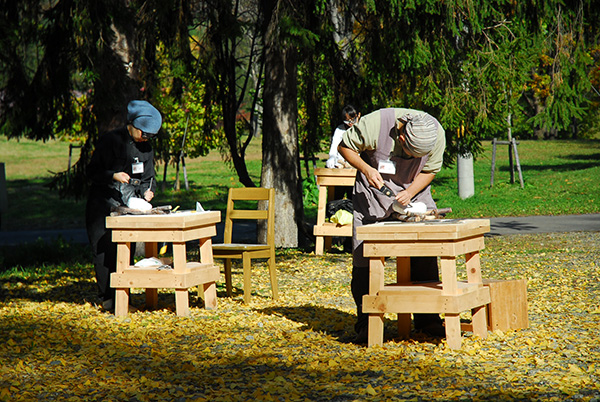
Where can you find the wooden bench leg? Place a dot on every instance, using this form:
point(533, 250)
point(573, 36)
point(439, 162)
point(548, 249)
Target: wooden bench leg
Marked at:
point(227, 268)
point(273, 276)
point(453, 337)
point(376, 281)
point(122, 294)
point(321, 209)
point(375, 330)
point(247, 266)
point(403, 276)
point(404, 325)
point(328, 242)
point(210, 295)
point(121, 302)
point(182, 304)
point(479, 320)
point(151, 298)
point(479, 315)
point(450, 287)
point(319, 245)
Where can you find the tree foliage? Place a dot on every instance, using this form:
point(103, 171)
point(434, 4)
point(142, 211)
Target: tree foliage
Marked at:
point(485, 69)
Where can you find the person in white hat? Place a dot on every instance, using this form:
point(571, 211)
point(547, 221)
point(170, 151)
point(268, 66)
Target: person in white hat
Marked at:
point(122, 167)
point(403, 149)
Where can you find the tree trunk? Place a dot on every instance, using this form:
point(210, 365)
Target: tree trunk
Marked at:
point(237, 155)
point(280, 154)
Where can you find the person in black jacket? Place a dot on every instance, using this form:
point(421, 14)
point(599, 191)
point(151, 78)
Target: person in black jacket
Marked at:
point(122, 166)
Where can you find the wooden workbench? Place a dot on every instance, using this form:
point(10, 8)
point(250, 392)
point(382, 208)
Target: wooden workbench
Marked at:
point(176, 228)
point(327, 179)
point(446, 239)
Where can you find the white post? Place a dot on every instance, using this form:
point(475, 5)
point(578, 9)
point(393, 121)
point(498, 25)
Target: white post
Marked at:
point(466, 182)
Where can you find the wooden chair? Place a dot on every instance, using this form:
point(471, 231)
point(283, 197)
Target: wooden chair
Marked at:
point(246, 252)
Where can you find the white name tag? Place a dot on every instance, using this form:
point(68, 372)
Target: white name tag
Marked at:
point(137, 167)
point(387, 167)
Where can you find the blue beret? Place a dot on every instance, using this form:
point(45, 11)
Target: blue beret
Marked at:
point(143, 116)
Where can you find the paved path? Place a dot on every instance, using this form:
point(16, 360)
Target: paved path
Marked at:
point(545, 224)
point(499, 227)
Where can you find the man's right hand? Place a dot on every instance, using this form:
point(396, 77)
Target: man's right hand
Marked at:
point(121, 177)
point(373, 177)
point(353, 158)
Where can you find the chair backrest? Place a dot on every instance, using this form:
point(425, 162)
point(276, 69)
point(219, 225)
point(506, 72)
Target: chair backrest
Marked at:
point(250, 194)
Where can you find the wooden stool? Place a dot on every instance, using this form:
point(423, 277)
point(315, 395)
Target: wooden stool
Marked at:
point(327, 179)
point(446, 239)
point(177, 228)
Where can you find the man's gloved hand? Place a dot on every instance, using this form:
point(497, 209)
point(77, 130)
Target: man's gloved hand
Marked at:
point(330, 164)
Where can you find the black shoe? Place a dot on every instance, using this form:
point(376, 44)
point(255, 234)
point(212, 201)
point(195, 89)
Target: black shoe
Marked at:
point(362, 337)
point(108, 305)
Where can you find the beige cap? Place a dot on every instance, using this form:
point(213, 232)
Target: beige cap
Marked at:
point(421, 133)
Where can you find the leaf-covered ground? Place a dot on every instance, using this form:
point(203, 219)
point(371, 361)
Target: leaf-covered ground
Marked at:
point(55, 344)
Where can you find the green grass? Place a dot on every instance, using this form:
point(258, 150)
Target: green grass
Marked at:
point(561, 177)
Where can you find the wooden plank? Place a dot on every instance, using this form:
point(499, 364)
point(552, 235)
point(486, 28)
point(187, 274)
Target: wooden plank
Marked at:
point(210, 295)
point(508, 304)
point(335, 181)
point(123, 256)
point(152, 278)
point(403, 276)
point(331, 229)
point(430, 230)
point(177, 220)
point(322, 205)
point(206, 250)
point(432, 303)
point(473, 265)
point(319, 245)
point(449, 280)
point(324, 172)
point(249, 193)
point(426, 289)
point(151, 298)
point(376, 275)
point(179, 258)
point(151, 249)
point(479, 320)
point(226, 247)
point(162, 235)
point(422, 248)
point(250, 214)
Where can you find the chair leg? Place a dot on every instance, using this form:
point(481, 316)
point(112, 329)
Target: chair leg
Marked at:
point(228, 287)
point(247, 272)
point(273, 274)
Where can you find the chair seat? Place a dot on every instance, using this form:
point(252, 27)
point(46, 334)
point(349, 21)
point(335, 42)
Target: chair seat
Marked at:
point(239, 247)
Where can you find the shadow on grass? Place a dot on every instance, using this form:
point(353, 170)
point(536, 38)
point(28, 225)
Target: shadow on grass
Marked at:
point(330, 321)
point(40, 253)
point(337, 324)
point(573, 162)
